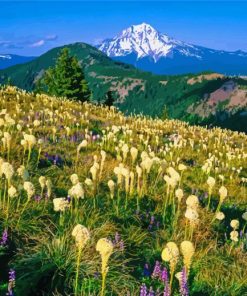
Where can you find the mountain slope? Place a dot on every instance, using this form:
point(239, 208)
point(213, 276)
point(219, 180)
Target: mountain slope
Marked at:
point(142, 92)
point(149, 50)
point(8, 60)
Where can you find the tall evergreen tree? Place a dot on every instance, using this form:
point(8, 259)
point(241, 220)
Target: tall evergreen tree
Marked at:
point(66, 78)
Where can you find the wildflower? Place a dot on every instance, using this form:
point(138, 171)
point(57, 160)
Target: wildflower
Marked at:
point(76, 191)
point(143, 290)
point(183, 286)
point(220, 216)
point(29, 188)
point(223, 193)
point(105, 248)
point(211, 183)
point(234, 235)
point(81, 235)
point(7, 170)
point(170, 254)
point(157, 270)
point(234, 224)
point(74, 179)
point(111, 186)
point(133, 153)
point(12, 192)
point(60, 204)
point(4, 239)
point(89, 182)
point(182, 167)
point(11, 283)
point(179, 194)
point(42, 182)
point(192, 201)
point(187, 250)
point(191, 214)
point(23, 173)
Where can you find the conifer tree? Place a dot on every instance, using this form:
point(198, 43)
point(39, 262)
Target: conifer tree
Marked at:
point(66, 78)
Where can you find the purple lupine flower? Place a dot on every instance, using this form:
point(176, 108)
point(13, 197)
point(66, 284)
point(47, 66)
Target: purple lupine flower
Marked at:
point(151, 292)
point(241, 233)
point(37, 198)
point(164, 275)
point(157, 270)
point(146, 271)
point(184, 291)
point(4, 239)
point(11, 283)
point(68, 198)
point(164, 278)
point(166, 290)
point(152, 219)
point(143, 290)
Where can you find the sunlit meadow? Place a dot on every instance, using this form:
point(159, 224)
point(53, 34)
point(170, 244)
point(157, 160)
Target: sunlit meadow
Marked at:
point(96, 203)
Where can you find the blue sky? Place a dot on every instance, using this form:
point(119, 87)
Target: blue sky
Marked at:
point(33, 27)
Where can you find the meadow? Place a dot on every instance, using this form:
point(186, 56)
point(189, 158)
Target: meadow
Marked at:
point(97, 203)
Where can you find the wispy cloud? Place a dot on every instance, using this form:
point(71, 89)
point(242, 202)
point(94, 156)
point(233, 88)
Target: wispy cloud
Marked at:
point(38, 43)
point(27, 42)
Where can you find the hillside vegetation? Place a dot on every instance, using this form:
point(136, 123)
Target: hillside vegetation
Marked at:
point(135, 91)
point(96, 203)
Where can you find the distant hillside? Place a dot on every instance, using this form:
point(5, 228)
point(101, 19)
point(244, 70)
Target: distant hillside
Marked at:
point(198, 99)
point(8, 60)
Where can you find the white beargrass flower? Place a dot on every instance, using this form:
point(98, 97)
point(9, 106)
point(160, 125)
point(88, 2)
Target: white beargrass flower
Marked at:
point(223, 193)
point(220, 216)
point(12, 192)
point(133, 153)
point(23, 173)
point(192, 201)
point(89, 182)
point(234, 236)
point(60, 204)
point(8, 170)
point(74, 179)
point(105, 248)
point(42, 182)
point(81, 235)
point(234, 224)
point(211, 183)
point(29, 188)
point(187, 250)
point(179, 194)
point(111, 186)
point(76, 191)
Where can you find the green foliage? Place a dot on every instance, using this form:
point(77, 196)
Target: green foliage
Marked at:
point(65, 79)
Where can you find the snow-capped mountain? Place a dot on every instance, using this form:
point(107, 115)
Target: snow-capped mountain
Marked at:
point(148, 49)
point(8, 60)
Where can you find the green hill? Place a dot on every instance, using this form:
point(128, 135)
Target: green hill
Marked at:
point(206, 98)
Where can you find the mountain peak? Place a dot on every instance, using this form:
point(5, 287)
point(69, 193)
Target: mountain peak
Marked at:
point(143, 40)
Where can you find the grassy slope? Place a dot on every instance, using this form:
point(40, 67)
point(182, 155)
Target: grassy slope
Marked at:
point(40, 246)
